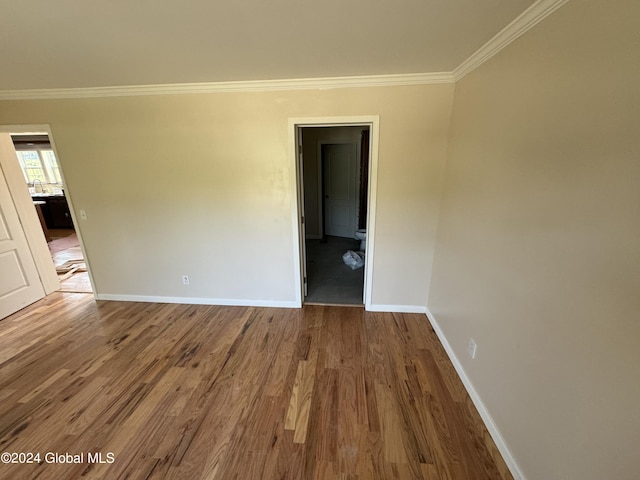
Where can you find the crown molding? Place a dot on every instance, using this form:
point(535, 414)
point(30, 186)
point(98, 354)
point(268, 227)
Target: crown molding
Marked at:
point(226, 87)
point(537, 12)
point(533, 15)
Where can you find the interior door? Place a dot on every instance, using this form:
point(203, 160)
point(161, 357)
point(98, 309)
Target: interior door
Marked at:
point(19, 280)
point(339, 164)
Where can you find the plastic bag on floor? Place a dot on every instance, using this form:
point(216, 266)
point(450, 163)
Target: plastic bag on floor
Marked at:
point(353, 260)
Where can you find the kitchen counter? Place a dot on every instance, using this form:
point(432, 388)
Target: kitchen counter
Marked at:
point(55, 210)
point(46, 195)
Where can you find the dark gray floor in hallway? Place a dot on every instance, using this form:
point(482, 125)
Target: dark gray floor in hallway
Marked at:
point(329, 279)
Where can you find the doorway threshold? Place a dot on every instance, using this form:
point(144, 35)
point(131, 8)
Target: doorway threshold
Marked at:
point(321, 304)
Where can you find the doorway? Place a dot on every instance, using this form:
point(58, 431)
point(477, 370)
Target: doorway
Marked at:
point(25, 195)
point(43, 179)
point(336, 165)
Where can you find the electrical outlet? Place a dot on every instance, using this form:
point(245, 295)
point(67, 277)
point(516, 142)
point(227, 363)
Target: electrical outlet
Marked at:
point(472, 348)
point(185, 279)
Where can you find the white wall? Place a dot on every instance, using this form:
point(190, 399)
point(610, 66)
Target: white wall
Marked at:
point(201, 185)
point(537, 255)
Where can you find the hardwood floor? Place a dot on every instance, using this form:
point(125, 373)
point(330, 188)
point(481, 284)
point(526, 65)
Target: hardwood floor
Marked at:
point(64, 248)
point(194, 392)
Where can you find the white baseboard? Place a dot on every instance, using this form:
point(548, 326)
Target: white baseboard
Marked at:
point(477, 401)
point(244, 302)
point(397, 308)
point(197, 301)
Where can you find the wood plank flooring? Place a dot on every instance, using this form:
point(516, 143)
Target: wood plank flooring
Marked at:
point(195, 392)
point(65, 247)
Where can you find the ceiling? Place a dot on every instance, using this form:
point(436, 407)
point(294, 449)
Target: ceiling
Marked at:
point(80, 43)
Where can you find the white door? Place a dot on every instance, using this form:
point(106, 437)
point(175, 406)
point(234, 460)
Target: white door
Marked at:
point(19, 280)
point(340, 166)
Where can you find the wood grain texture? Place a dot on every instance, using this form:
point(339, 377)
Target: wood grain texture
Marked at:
point(206, 392)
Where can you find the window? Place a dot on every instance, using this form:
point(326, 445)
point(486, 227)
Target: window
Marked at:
point(51, 166)
point(39, 166)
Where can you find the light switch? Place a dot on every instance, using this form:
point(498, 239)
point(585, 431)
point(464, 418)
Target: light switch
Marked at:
point(83, 215)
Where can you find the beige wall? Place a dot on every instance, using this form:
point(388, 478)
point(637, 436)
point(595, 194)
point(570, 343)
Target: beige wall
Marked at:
point(537, 255)
point(201, 185)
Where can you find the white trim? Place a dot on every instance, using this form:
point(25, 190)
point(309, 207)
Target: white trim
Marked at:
point(372, 207)
point(197, 301)
point(297, 207)
point(226, 87)
point(396, 308)
point(477, 401)
point(533, 15)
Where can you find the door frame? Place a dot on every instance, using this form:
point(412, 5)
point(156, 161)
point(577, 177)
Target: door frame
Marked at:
point(297, 201)
point(28, 216)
